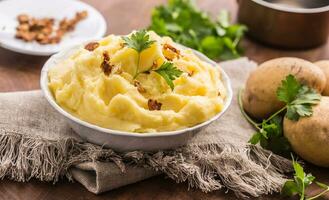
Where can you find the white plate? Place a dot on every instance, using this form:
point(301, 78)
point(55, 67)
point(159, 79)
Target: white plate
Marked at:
point(91, 28)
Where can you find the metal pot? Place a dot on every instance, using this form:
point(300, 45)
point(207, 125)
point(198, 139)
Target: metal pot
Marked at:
point(286, 23)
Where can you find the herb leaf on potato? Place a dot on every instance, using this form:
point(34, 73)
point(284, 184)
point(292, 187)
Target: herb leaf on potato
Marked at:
point(288, 90)
point(299, 98)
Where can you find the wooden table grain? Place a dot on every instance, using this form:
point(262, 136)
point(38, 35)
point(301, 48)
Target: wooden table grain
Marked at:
point(21, 72)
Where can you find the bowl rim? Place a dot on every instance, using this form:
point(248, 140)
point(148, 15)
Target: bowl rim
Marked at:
point(291, 9)
point(54, 59)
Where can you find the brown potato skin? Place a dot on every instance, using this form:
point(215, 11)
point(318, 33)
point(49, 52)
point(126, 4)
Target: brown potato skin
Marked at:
point(324, 66)
point(259, 97)
point(309, 136)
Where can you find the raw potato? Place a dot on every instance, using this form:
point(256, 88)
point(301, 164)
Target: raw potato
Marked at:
point(309, 136)
point(259, 98)
point(324, 65)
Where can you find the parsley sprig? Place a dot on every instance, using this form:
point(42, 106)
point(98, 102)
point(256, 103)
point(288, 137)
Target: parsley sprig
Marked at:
point(299, 100)
point(299, 183)
point(270, 136)
point(140, 41)
point(169, 73)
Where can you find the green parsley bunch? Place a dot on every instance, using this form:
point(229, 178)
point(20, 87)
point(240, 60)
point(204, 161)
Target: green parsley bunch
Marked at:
point(187, 25)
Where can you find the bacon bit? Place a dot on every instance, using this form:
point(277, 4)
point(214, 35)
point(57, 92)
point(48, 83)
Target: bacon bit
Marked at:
point(54, 40)
point(69, 24)
point(139, 86)
point(47, 30)
point(106, 65)
point(60, 33)
point(42, 30)
point(106, 56)
point(154, 105)
point(23, 18)
point(81, 15)
point(22, 27)
point(122, 45)
point(173, 49)
point(40, 37)
point(172, 52)
point(92, 46)
point(27, 37)
point(66, 25)
point(154, 65)
point(190, 73)
point(119, 71)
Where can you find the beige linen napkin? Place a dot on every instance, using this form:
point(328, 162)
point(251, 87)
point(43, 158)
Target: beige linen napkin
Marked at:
point(36, 142)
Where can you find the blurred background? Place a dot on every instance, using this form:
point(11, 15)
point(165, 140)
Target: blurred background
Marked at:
point(21, 72)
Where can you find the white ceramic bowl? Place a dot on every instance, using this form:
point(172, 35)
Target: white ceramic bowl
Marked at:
point(128, 141)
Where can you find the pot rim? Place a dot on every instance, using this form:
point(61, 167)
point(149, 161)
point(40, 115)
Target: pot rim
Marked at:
point(291, 9)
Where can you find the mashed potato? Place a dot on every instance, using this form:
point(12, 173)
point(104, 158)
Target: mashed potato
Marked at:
point(116, 100)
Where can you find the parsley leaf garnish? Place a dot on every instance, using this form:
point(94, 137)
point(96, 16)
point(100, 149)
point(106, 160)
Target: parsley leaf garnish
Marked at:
point(169, 73)
point(299, 183)
point(138, 41)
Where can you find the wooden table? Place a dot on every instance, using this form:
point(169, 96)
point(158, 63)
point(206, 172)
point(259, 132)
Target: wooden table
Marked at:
point(21, 72)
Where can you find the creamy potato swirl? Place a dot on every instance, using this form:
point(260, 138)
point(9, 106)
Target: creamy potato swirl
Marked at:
point(117, 101)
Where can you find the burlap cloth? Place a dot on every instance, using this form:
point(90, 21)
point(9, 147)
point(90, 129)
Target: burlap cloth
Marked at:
point(36, 142)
